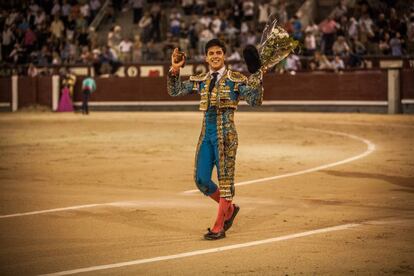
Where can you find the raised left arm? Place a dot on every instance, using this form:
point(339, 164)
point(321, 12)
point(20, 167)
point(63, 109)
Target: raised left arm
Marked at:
point(252, 89)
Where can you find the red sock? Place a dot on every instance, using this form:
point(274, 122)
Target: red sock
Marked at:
point(230, 212)
point(216, 196)
point(223, 210)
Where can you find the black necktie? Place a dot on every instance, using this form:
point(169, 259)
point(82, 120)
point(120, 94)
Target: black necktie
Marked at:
point(212, 82)
point(211, 86)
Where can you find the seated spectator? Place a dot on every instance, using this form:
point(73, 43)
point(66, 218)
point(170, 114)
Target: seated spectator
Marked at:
point(199, 6)
point(169, 45)
point(85, 11)
point(384, 45)
point(357, 50)
point(293, 64)
point(321, 62)
point(264, 12)
point(18, 54)
point(340, 47)
point(125, 49)
point(310, 43)
point(396, 45)
point(29, 41)
point(216, 25)
point(353, 28)
point(86, 56)
point(81, 23)
point(95, 5)
point(337, 64)
point(235, 55)
point(156, 16)
point(184, 41)
point(205, 20)
point(410, 35)
point(150, 52)
point(297, 28)
point(339, 10)
point(204, 36)
point(248, 10)
point(32, 70)
point(56, 60)
point(187, 6)
point(137, 49)
point(45, 57)
point(145, 25)
point(211, 7)
point(65, 10)
point(366, 27)
point(175, 27)
point(92, 38)
point(382, 23)
point(57, 28)
point(83, 37)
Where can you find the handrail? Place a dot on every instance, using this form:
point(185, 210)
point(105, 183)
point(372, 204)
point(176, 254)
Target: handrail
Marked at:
point(306, 13)
point(100, 15)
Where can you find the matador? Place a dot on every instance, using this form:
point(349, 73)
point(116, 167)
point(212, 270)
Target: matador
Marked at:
point(220, 90)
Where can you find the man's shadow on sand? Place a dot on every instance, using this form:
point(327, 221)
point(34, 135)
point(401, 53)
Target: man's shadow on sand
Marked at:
point(403, 181)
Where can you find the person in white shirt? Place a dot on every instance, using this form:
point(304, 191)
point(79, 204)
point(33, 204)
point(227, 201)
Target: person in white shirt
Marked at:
point(310, 43)
point(205, 35)
point(338, 64)
point(216, 25)
point(95, 5)
point(56, 8)
point(86, 12)
point(125, 49)
point(293, 63)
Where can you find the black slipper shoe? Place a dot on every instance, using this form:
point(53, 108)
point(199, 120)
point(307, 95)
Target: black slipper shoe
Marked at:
point(228, 223)
point(214, 236)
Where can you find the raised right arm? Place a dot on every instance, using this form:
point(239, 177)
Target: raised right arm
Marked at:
point(176, 87)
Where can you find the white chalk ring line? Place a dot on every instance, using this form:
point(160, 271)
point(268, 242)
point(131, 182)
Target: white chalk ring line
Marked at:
point(370, 148)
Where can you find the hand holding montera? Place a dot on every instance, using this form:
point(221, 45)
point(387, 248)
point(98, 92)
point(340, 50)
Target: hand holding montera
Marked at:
point(177, 59)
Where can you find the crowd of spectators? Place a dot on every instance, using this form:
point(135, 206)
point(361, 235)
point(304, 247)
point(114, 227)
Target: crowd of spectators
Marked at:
point(349, 35)
point(45, 32)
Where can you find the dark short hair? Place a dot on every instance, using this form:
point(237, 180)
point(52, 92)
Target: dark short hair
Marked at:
point(215, 42)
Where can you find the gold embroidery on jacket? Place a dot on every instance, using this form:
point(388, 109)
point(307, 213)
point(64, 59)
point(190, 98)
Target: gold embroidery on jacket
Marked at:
point(227, 147)
point(200, 140)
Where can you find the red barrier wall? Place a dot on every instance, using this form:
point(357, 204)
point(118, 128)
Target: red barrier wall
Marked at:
point(130, 89)
point(27, 91)
point(5, 90)
point(364, 85)
point(44, 92)
point(35, 90)
point(407, 84)
point(347, 86)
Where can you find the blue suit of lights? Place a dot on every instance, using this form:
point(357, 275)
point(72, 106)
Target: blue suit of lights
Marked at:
point(217, 145)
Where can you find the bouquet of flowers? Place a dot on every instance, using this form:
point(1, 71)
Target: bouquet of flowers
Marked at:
point(275, 45)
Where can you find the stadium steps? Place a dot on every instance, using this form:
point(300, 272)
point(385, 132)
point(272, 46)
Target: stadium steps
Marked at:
point(324, 8)
point(122, 19)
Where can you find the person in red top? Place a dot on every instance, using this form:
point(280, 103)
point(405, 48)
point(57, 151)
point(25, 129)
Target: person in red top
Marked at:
point(328, 28)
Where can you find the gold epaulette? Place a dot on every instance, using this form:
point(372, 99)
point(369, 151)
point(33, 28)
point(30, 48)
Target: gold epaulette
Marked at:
point(236, 76)
point(199, 77)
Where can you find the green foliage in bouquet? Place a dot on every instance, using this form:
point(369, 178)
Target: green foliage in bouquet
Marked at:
point(275, 45)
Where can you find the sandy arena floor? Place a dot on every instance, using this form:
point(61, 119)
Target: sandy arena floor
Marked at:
point(354, 172)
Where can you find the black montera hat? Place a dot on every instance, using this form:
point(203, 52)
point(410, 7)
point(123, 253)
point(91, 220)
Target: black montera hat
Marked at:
point(215, 42)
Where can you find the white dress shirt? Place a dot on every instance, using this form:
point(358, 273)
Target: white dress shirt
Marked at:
point(220, 73)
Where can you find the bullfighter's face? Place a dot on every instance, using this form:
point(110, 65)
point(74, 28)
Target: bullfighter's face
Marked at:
point(215, 58)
